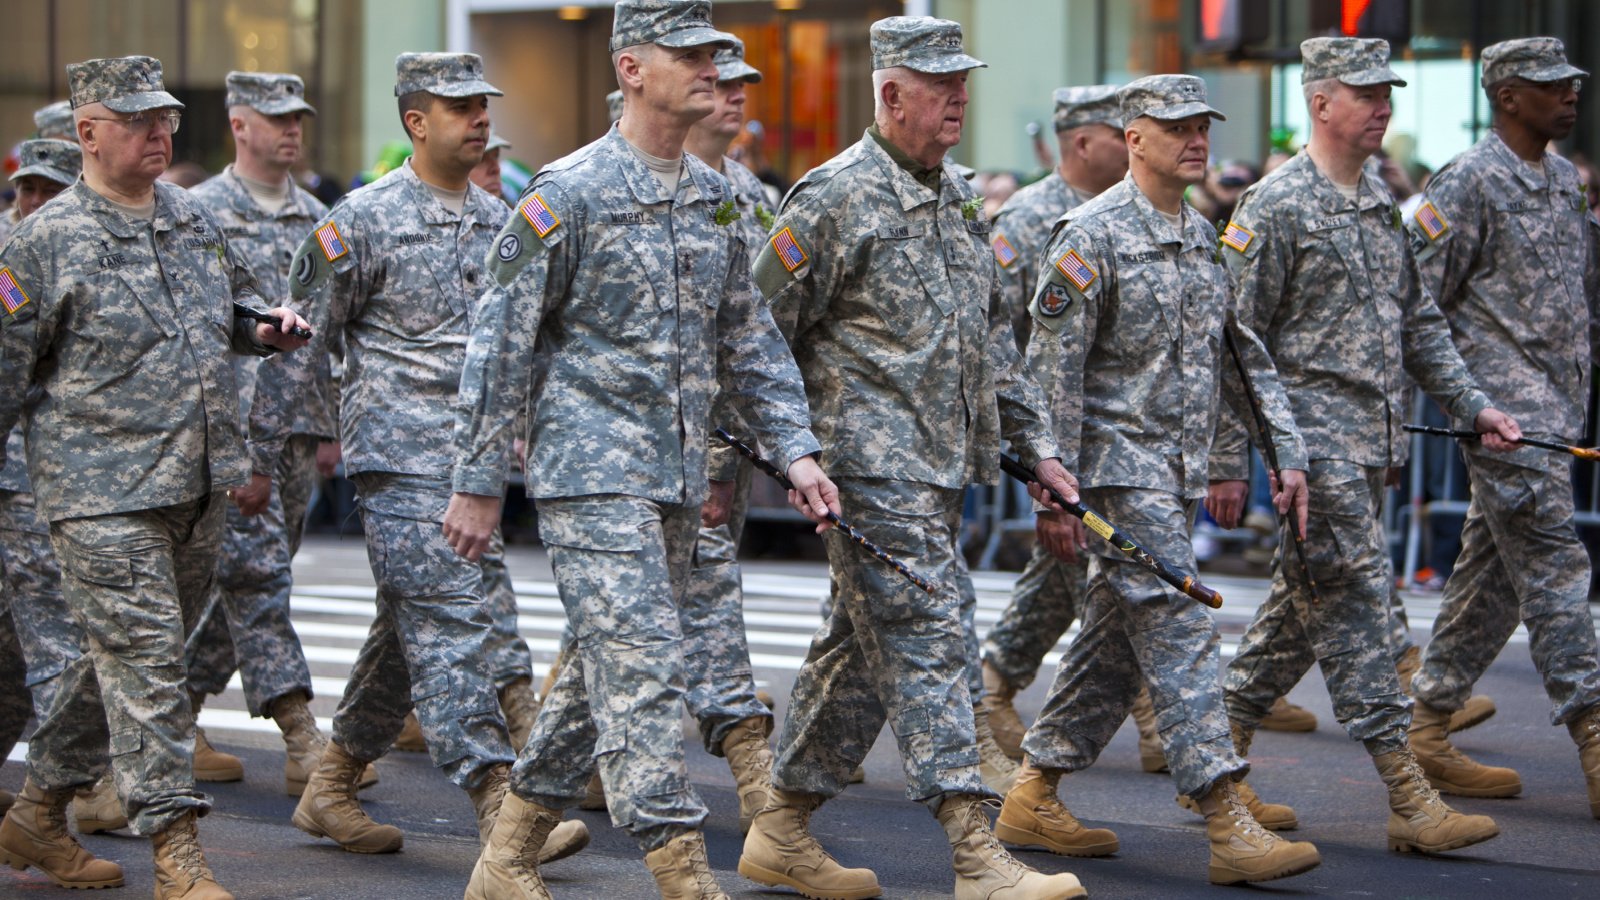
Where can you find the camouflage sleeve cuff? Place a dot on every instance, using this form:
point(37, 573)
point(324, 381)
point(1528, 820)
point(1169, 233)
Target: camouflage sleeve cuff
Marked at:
point(1292, 454)
point(485, 481)
point(264, 455)
point(1466, 408)
point(799, 445)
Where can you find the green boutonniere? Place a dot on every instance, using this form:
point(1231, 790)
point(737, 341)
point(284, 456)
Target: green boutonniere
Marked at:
point(766, 218)
point(726, 214)
point(1394, 217)
point(970, 209)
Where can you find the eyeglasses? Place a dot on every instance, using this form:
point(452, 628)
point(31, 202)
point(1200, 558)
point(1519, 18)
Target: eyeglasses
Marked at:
point(141, 123)
point(1558, 87)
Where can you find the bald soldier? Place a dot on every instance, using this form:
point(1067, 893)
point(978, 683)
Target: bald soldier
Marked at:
point(133, 439)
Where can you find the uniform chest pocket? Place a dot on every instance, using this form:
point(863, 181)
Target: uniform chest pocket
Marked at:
point(1330, 256)
point(428, 263)
point(1143, 317)
point(702, 265)
point(906, 277)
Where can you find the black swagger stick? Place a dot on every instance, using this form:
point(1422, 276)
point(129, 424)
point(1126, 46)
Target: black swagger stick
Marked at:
point(240, 311)
point(1590, 453)
point(1188, 584)
point(749, 453)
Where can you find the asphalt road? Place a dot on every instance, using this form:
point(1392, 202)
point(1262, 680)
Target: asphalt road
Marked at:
point(1549, 846)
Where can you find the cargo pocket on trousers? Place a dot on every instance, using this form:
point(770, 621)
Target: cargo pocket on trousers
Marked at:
point(129, 740)
point(110, 580)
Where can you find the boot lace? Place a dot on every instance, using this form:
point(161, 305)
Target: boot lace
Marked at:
point(705, 883)
point(977, 816)
point(183, 845)
point(1244, 819)
point(1419, 786)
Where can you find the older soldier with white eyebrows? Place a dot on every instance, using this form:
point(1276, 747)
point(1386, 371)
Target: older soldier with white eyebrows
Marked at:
point(133, 438)
point(880, 273)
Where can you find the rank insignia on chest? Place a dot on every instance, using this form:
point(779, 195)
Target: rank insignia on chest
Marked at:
point(790, 253)
point(1433, 224)
point(539, 215)
point(1237, 236)
point(1004, 253)
point(333, 246)
point(11, 294)
point(1074, 269)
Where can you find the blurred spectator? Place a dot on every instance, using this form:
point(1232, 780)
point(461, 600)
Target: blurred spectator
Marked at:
point(1586, 175)
point(1216, 197)
point(996, 189)
point(1275, 159)
point(185, 174)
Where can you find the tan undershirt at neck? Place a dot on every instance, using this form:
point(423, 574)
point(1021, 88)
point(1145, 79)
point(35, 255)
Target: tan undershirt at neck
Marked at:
point(667, 171)
point(270, 197)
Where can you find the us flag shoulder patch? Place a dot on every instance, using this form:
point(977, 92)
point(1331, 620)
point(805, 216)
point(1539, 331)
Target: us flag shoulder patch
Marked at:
point(1432, 222)
point(539, 215)
point(333, 246)
point(790, 253)
point(1074, 269)
point(12, 296)
point(1237, 236)
point(1004, 253)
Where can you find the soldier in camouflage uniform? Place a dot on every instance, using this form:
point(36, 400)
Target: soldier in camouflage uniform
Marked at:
point(1505, 242)
point(132, 437)
point(54, 122)
point(265, 215)
point(395, 266)
point(614, 106)
point(1322, 268)
point(486, 174)
point(1130, 314)
point(880, 274)
point(617, 294)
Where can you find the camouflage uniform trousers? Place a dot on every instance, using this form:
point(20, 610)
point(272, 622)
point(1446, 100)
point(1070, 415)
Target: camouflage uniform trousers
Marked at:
point(508, 654)
point(136, 583)
point(250, 610)
point(1348, 632)
point(722, 688)
point(1135, 626)
point(1048, 596)
point(622, 568)
point(1521, 560)
point(38, 636)
point(426, 647)
point(888, 651)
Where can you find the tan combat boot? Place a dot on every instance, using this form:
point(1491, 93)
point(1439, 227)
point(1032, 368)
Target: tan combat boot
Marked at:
point(1271, 816)
point(1477, 710)
point(681, 869)
point(487, 797)
point(329, 807)
point(779, 851)
point(1241, 850)
point(998, 771)
point(181, 870)
point(1418, 819)
point(1151, 757)
point(594, 794)
point(508, 868)
point(1585, 731)
point(984, 870)
point(1007, 725)
point(211, 764)
point(1034, 816)
point(520, 706)
point(7, 799)
point(34, 833)
point(1448, 769)
point(97, 808)
point(1286, 716)
point(303, 744)
point(750, 761)
point(411, 739)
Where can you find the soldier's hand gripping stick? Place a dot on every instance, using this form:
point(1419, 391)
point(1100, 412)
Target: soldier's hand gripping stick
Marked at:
point(1188, 584)
point(1589, 453)
point(244, 312)
point(755, 458)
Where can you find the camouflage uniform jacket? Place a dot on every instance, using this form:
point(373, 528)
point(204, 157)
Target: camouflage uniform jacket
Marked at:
point(1334, 291)
point(267, 241)
point(395, 272)
point(14, 474)
point(624, 309)
point(1021, 231)
point(1508, 254)
point(1134, 312)
point(890, 298)
point(118, 356)
point(750, 198)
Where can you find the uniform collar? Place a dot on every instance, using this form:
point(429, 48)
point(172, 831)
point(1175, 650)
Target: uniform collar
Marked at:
point(646, 189)
point(1371, 193)
point(433, 212)
point(1160, 229)
point(168, 214)
point(911, 192)
point(245, 205)
point(1525, 173)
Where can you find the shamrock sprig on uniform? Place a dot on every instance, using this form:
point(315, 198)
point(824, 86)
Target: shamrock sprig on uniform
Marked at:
point(766, 218)
point(1394, 217)
point(971, 208)
point(726, 214)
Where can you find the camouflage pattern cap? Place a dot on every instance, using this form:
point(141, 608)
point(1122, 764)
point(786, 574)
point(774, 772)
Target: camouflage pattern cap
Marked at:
point(496, 142)
point(1077, 106)
point(1165, 97)
point(732, 67)
point(1358, 62)
point(268, 93)
point(442, 75)
point(59, 161)
point(125, 84)
point(55, 121)
point(1535, 59)
point(614, 106)
point(920, 43)
point(670, 23)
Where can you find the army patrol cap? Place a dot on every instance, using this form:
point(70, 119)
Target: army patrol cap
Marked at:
point(55, 121)
point(125, 84)
point(614, 106)
point(268, 93)
point(920, 43)
point(1166, 97)
point(670, 23)
point(1078, 106)
point(1358, 62)
point(1540, 59)
point(442, 75)
point(732, 67)
point(496, 142)
point(59, 161)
